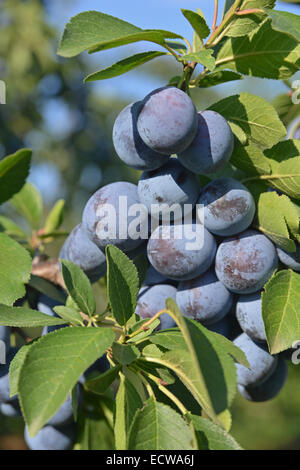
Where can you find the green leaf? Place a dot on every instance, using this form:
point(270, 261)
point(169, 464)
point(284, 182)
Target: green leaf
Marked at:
point(122, 284)
point(62, 357)
point(128, 402)
point(215, 438)
point(159, 427)
point(11, 229)
point(265, 53)
point(284, 159)
point(204, 57)
point(277, 228)
point(143, 334)
point(197, 22)
point(251, 160)
point(252, 114)
point(78, 287)
point(100, 384)
point(95, 31)
point(16, 366)
point(55, 217)
point(69, 314)
point(25, 317)
point(281, 310)
point(218, 77)
point(125, 353)
point(46, 287)
point(15, 267)
point(242, 25)
point(29, 204)
point(124, 66)
point(285, 22)
point(14, 170)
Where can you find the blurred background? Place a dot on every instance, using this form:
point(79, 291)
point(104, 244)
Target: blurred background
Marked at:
point(69, 125)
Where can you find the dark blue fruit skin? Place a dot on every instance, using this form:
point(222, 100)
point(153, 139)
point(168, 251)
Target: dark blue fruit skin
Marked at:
point(45, 305)
point(249, 316)
point(152, 299)
point(229, 207)
point(204, 299)
point(170, 184)
point(262, 364)
point(212, 147)
point(4, 377)
point(268, 389)
point(297, 134)
point(129, 145)
point(11, 409)
point(79, 249)
point(94, 223)
point(153, 278)
point(64, 414)
point(167, 121)
point(51, 438)
point(291, 260)
point(244, 263)
point(5, 336)
point(222, 327)
point(171, 258)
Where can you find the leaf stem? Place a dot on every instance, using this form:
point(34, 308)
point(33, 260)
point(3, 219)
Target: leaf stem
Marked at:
point(214, 26)
point(168, 48)
point(226, 20)
point(250, 11)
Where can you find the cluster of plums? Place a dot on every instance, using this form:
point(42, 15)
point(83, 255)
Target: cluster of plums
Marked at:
point(217, 283)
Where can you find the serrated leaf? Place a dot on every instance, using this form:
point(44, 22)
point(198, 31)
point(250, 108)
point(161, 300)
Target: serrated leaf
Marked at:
point(197, 22)
point(218, 77)
point(46, 287)
point(242, 25)
point(143, 334)
point(265, 53)
point(71, 315)
point(125, 353)
point(62, 356)
point(100, 384)
point(55, 217)
point(204, 57)
point(128, 402)
point(277, 228)
point(281, 310)
point(15, 267)
point(159, 427)
point(29, 204)
point(285, 22)
point(251, 160)
point(11, 229)
point(95, 31)
point(215, 438)
point(26, 317)
point(124, 65)
point(284, 160)
point(16, 366)
point(122, 284)
point(78, 287)
point(14, 170)
point(256, 118)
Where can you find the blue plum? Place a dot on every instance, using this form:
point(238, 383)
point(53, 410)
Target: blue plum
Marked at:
point(170, 184)
point(167, 120)
point(262, 364)
point(244, 263)
point(212, 146)
point(270, 387)
point(229, 207)
point(51, 438)
point(129, 145)
point(291, 260)
point(105, 217)
point(222, 327)
point(11, 409)
point(64, 414)
point(297, 133)
point(170, 254)
point(153, 277)
point(4, 377)
point(79, 249)
point(5, 336)
point(152, 299)
point(204, 298)
point(249, 316)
